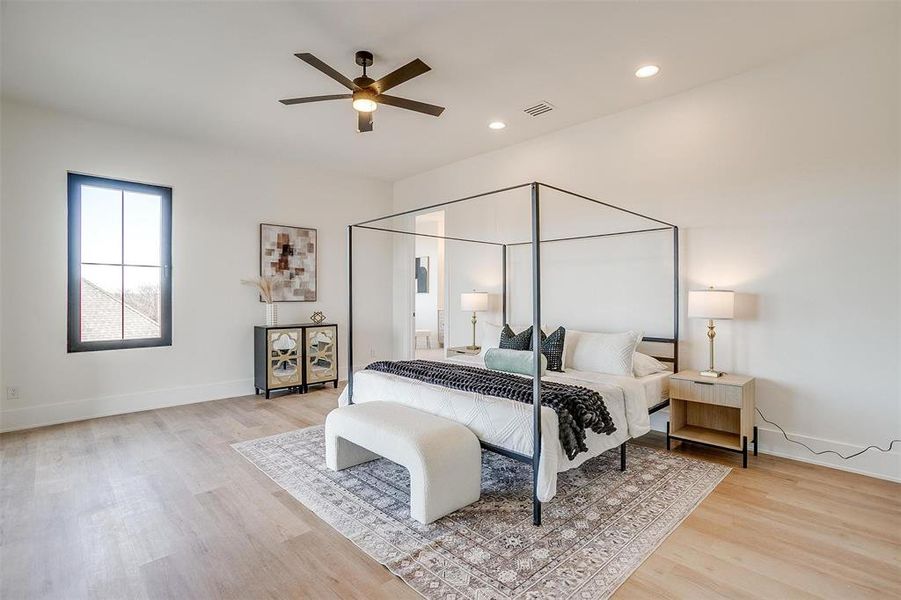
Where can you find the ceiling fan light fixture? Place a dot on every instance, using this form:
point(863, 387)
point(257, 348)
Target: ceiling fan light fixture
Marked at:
point(364, 101)
point(496, 125)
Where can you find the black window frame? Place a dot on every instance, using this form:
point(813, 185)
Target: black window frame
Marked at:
point(75, 344)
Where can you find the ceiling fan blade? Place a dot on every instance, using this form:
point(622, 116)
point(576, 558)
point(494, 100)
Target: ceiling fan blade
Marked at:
point(407, 72)
point(364, 122)
point(318, 64)
point(290, 101)
point(429, 109)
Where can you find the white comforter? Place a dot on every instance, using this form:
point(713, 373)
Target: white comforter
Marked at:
point(507, 423)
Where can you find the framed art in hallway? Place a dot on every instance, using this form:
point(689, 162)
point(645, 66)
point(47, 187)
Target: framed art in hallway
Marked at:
point(289, 254)
point(422, 274)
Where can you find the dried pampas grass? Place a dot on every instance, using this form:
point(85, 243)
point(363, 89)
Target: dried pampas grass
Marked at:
point(265, 285)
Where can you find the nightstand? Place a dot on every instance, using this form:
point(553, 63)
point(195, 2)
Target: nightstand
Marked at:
point(716, 411)
point(463, 350)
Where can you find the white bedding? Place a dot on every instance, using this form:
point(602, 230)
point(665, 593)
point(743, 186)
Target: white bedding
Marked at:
point(508, 424)
point(650, 390)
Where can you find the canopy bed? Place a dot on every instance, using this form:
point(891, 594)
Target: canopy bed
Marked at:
point(631, 399)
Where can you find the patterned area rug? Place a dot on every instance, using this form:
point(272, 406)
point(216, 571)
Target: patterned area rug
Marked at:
point(601, 526)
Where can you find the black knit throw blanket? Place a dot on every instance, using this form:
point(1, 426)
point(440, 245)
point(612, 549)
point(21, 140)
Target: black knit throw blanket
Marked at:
point(577, 407)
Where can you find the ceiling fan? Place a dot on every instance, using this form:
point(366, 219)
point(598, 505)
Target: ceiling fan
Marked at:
point(366, 92)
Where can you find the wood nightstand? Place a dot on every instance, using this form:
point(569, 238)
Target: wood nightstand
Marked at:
point(463, 350)
point(712, 411)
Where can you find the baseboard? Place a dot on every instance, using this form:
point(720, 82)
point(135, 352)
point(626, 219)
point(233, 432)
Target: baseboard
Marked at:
point(29, 417)
point(882, 465)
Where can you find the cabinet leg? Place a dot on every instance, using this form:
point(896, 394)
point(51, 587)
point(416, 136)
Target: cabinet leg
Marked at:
point(667, 436)
point(267, 394)
point(744, 452)
point(755, 440)
point(622, 456)
point(336, 384)
point(256, 391)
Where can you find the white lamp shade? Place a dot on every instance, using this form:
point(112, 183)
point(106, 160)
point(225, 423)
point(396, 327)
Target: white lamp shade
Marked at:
point(474, 301)
point(711, 304)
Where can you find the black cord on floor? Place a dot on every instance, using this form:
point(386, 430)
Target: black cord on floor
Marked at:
point(785, 435)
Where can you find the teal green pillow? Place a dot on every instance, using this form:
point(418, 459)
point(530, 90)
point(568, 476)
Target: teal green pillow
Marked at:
point(513, 361)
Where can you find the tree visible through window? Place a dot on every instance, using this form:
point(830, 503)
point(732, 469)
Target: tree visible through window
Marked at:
point(120, 293)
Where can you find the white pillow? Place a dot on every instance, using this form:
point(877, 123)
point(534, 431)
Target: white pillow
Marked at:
point(491, 336)
point(610, 353)
point(643, 365)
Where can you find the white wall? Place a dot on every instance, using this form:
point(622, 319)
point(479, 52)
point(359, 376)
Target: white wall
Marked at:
point(219, 199)
point(784, 182)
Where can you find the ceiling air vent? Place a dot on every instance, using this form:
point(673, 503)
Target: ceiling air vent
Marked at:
point(538, 108)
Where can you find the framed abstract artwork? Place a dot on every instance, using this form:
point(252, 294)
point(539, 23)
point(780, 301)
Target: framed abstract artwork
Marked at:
point(422, 274)
point(288, 254)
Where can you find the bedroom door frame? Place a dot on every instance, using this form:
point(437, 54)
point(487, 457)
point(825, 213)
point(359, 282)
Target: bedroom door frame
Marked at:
point(441, 287)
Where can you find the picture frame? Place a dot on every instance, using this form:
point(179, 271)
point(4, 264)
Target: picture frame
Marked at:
point(290, 254)
point(422, 274)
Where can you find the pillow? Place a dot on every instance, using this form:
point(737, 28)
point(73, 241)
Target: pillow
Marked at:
point(515, 341)
point(513, 361)
point(643, 365)
point(610, 353)
point(552, 347)
point(491, 335)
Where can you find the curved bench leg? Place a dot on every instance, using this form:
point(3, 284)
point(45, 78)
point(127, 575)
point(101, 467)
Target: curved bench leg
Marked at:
point(434, 495)
point(341, 454)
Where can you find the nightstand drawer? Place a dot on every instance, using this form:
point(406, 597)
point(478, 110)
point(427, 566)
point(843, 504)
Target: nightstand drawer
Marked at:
point(708, 393)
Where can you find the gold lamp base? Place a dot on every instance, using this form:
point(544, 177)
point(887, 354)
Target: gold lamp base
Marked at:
point(709, 373)
point(473, 346)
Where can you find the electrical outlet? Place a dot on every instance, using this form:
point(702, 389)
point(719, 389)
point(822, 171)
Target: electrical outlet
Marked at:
point(12, 393)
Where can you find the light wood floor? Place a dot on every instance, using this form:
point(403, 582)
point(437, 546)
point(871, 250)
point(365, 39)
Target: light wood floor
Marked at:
point(157, 505)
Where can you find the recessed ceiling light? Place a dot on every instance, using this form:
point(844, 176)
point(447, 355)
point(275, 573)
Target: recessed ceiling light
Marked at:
point(647, 71)
point(497, 125)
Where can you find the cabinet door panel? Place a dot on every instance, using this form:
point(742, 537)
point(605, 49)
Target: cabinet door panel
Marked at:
point(283, 359)
point(321, 354)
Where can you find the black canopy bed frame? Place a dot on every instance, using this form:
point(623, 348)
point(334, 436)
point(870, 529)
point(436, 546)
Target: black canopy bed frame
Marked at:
point(535, 243)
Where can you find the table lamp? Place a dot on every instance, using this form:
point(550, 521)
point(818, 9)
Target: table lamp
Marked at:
point(711, 304)
point(474, 302)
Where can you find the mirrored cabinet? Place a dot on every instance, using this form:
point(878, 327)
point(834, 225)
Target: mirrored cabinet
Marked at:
point(293, 357)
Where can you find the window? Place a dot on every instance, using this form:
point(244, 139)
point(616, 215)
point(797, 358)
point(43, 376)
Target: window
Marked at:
point(120, 275)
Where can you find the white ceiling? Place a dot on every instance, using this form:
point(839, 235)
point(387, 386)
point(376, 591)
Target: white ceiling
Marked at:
point(214, 71)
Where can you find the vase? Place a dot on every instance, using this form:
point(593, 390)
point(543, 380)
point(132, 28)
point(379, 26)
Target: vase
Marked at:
point(271, 314)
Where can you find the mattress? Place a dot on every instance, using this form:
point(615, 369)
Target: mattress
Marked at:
point(508, 424)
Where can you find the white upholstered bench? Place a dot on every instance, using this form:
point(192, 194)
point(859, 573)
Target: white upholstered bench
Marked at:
point(443, 457)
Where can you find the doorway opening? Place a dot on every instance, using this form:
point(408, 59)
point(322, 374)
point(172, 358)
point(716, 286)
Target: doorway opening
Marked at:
point(429, 288)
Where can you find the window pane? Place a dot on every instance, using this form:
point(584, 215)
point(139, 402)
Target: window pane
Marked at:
point(101, 303)
point(142, 229)
point(101, 225)
point(142, 302)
